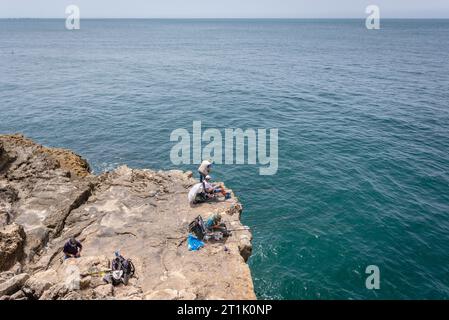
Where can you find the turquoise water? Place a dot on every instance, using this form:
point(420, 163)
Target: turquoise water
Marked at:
point(363, 120)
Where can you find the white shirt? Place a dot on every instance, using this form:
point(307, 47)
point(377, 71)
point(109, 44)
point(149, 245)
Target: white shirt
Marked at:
point(209, 187)
point(204, 167)
point(197, 188)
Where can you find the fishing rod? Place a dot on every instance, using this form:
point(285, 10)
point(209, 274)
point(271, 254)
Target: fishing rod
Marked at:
point(245, 228)
point(254, 189)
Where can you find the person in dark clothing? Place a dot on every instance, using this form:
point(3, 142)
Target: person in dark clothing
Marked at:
point(72, 249)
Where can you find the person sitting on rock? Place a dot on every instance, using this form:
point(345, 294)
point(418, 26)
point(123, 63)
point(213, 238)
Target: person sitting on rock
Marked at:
point(205, 191)
point(72, 249)
point(204, 169)
point(211, 188)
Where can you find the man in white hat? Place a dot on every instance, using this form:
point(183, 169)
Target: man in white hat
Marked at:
point(204, 169)
point(211, 188)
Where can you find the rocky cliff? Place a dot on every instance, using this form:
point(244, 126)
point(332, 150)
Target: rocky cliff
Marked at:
point(48, 195)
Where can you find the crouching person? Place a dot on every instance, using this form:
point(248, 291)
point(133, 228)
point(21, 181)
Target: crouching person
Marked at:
point(214, 223)
point(216, 227)
point(72, 249)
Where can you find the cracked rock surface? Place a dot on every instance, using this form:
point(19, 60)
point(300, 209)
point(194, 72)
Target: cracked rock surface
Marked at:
point(48, 195)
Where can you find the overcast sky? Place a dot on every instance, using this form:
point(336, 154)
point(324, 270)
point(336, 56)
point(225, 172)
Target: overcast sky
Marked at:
point(224, 8)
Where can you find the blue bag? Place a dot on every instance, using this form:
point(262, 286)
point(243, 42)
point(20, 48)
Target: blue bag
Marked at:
point(193, 243)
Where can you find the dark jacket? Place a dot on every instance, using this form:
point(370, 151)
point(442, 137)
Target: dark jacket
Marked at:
point(72, 249)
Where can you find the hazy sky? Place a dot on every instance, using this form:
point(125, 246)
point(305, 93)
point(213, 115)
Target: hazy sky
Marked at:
point(224, 8)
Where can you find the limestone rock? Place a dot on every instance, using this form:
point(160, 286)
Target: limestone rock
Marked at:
point(12, 285)
point(245, 247)
point(12, 238)
point(40, 282)
point(4, 158)
point(55, 292)
point(144, 214)
point(165, 294)
point(39, 187)
point(19, 295)
point(8, 195)
point(104, 291)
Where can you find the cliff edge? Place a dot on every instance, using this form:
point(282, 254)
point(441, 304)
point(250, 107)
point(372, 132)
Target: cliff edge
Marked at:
point(48, 195)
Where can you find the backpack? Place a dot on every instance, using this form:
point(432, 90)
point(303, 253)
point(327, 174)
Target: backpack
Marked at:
point(123, 269)
point(197, 228)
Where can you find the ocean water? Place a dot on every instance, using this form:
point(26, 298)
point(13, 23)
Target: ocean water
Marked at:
point(363, 120)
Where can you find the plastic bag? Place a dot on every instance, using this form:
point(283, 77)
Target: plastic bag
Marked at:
point(193, 243)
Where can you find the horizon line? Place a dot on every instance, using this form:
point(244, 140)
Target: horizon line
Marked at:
point(228, 18)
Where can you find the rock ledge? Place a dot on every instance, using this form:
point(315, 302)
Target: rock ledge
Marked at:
point(48, 195)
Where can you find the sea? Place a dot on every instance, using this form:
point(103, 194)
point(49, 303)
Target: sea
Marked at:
point(363, 132)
